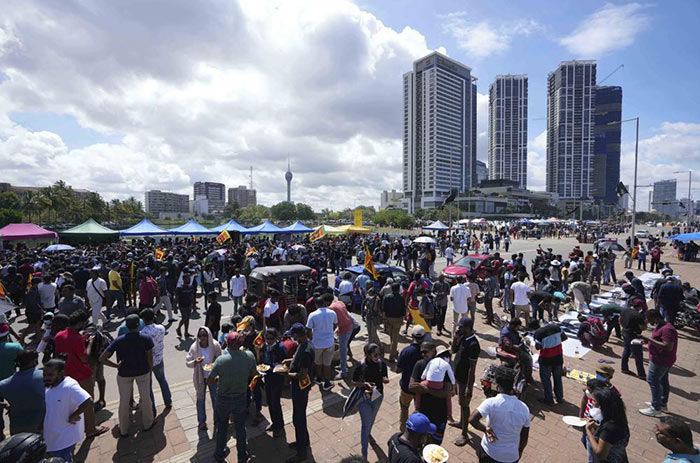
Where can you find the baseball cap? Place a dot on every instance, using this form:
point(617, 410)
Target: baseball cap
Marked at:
point(605, 370)
point(297, 328)
point(466, 321)
point(418, 331)
point(234, 340)
point(559, 295)
point(420, 423)
point(132, 321)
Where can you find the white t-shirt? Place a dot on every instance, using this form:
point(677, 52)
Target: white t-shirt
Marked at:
point(459, 295)
point(506, 415)
point(206, 353)
point(47, 293)
point(345, 287)
point(270, 308)
point(96, 291)
point(238, 285)
point(321, 321)
point(61, 401)
point(449, 253)
point(520, 292)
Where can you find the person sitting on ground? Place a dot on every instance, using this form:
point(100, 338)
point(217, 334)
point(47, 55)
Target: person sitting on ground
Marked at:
point(591, 331)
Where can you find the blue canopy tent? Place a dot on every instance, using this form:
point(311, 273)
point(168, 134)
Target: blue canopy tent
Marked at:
point(231, 226)
point(436, 226)
point(297, 227)
point(192, 227)
point(685, 237)
point(265, 227)
point(144, 228)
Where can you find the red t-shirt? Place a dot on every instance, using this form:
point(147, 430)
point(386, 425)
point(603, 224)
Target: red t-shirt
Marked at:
point(344, 322)
point(665, 332)
point(71, 342)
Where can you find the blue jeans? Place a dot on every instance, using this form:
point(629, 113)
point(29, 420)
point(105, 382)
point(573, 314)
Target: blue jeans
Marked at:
point(546, 371)
point(226, 406)
point(657, 377)
point(66, 454)
point(159, 373)
point(368, 412)
point(201, 403)
point(343, 345)
point(636, 352)
point(300, 399)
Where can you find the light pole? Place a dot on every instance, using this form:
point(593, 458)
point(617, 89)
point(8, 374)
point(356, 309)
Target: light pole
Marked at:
point(636, 159)
point(690, 202)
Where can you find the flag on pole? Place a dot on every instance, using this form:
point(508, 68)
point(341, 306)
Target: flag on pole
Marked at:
point(369, 264)
point(316, 234)
point(259, 341)
point(159, 254)
point(223, 237)
point(250, 252)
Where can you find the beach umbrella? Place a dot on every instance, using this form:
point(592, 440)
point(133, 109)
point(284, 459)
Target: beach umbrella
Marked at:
point(58, 247)
point(424, 240)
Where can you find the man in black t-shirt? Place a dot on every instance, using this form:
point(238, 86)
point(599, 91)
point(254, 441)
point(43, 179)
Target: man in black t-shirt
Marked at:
point(406, 447)
point(433, 403)
point(466, 349)
point(300, 374)
point(633, 323)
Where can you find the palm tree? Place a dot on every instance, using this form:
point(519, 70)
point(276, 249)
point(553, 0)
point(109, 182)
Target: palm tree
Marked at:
point(29, 203)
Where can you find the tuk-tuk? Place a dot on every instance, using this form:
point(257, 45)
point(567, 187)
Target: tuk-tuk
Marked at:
point(285, 278)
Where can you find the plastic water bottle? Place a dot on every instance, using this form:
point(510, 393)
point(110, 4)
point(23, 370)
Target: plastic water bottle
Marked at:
point(576, 352)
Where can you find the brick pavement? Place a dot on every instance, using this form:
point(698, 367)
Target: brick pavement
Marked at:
point(176, 438)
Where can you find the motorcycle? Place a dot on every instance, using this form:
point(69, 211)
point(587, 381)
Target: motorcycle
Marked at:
point(689, 315)
point(488, 378)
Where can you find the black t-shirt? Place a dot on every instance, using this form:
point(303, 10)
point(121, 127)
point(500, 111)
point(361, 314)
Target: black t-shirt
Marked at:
point(213, 315)
point(394, 306)
point(303, 359)
point(539, 296)
point(469, 349)
point(631, 320)
point(400, 451)
point(435, 408)
point(371, 372)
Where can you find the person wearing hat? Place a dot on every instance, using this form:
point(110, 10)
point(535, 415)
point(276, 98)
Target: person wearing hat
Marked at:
point(406, 446)
point(134, 364)
point(433, 403)
point(466, 350)
point(408, 358)
point(231, 375)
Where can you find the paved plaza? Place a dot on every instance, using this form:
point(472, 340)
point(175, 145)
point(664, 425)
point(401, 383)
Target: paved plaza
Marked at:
point(175, 437)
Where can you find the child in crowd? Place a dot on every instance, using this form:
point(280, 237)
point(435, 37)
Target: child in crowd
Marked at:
point(433, 376)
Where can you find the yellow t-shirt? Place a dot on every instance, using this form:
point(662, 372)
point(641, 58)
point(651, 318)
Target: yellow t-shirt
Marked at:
point(115, 281)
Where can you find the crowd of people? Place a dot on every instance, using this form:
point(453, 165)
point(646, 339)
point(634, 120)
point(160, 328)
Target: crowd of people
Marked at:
point(71, 302)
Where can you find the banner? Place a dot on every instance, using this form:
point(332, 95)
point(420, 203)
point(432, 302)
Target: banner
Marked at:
point(223, 237)
point(159, 254)
point(358, 218)
point(369, 264)
point(316, 234)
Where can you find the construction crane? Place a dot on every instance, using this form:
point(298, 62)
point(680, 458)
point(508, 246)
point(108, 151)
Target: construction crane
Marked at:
point(622, 66)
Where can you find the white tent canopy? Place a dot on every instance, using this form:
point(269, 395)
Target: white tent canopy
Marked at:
point(436, 226)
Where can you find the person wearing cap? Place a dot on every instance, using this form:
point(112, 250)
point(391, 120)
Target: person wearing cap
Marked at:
point(406, 446)
point(409, 356)
point(663, 345)
point(96, 289)
point(506, 434)
point(134, 364)
point(466, 350)
point(116, 292)
point(231, 375)
point(300, 370)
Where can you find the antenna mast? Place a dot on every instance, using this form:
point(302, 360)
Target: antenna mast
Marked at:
point(251, 177)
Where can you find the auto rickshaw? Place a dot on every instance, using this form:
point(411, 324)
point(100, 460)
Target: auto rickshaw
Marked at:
point(289, 279)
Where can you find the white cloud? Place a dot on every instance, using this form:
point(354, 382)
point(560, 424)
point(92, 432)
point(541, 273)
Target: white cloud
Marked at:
point(536, 162)
point(611, 28)
point(203, 91)
point(483, 38)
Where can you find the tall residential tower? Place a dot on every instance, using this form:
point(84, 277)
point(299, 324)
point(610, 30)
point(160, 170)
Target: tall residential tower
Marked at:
point(508, 129)
point(608, 131)
point(570, 129)
point(439, 143)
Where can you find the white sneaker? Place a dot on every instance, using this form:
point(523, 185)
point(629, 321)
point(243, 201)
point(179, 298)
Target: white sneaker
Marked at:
point(663, 409)
point(650, 412)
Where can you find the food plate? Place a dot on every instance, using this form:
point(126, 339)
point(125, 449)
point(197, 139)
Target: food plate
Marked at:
point(574, 421)
point(280, 369)
point(208, 367)
point(434, 454)
point(262, 368)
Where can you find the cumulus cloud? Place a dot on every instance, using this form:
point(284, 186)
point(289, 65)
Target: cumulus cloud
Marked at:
point(203, 90)
point(483, 38)
point(611, 28)
point(536, 160)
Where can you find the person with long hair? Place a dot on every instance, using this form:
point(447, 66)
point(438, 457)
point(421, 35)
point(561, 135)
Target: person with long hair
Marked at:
point(371, 374)
point(607, 429)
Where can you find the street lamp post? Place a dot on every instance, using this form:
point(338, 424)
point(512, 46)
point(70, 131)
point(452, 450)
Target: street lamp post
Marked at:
point(690, 202)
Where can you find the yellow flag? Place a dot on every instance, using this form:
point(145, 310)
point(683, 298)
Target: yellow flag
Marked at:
point(250, 252)
point(159, 254)
point(358, 218)
point(223, 237)
point(316, 234)
point(369, 264)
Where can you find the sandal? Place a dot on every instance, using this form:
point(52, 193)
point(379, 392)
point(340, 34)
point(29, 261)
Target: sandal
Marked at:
point(99, 405)
point(98, 432)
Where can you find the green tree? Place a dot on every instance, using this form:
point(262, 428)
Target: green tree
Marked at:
point(30, 204)
point(253, 215)
point(393, 217)
point(10, 200)
point(305, 212)
point(284, 211)
point(232, 209)
point(8, 216)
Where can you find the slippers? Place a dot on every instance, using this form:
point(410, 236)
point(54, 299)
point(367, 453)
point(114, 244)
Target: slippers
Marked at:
point(98, 431)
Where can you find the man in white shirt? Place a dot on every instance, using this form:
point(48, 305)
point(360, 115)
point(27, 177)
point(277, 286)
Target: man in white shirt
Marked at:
point(271, 307)
point(47, 292)
point(96, 295)
point(506, 434)
point(519, 294)
point(345, 289)
point(449, 254)
point(238, 289)
point(460, 295)
point(157, 334)
point(323, 323)
point(66, 402)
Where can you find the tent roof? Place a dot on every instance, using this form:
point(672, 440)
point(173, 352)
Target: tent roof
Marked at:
point(25, 231)
point(683, 237)
point(265, 227)
point(298, 227)
point(437, 225)
point(330, 230)
point(144, 228)
point(354, 229)
point(191, 227)
point(231, 225)
point(90, 227)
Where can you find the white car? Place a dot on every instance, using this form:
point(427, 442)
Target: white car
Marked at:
point(642, 234)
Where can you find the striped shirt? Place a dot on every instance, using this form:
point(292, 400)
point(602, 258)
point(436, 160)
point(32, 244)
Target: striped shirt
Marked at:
point(549, 338)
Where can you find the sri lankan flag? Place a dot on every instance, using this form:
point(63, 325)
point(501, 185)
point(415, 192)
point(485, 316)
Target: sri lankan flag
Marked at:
point(259, 341)
point(159, 254)
point(369, 264)
point(250, 252)
point(253, 382)
point(304, 382)
point(223, 237)
point(317, 234)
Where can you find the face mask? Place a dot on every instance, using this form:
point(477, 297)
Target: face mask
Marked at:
point(600, 377)
point(596, 414)
point(588, 394)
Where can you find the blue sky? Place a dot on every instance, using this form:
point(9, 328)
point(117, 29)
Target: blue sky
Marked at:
point(121, 99)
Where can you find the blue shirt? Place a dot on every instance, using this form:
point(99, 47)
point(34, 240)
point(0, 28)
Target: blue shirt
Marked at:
point(131, 350)
point(683, 457)
point(508, 333)
point(24, 391)
point(409, 356)
point(8, 352)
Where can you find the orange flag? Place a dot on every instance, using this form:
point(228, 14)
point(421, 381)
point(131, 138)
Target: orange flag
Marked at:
point(159, 254)
point(259, 341)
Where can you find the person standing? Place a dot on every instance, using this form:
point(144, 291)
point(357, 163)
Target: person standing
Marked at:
point(299, 373)
point(460, 294)
point(323, 322)
point(394, 310)
point(409, 356)
point(238, 289)
point(164, 294)
point(116, 292)
point(345, 327)
point(48, 290)
point(185, 301)
point(66, 403)
point(24, 393)
point(157, 334)
point(519, 294)
point(607, 430)
point(272, 354)
point(8, 353)
point(670, 297)
point(633, 324)
point(372, 374)
point(662, 344)
point(548, 341)
point(231, 374)
point(134, 363)
point(441, 289)
point(490, 291)
point(433, 402)
point(203, 352)
point(70, 303)
point(34, 312)
point(96, 289)
point(506, 434)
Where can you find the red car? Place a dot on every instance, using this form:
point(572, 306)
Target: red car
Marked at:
point(482, 263)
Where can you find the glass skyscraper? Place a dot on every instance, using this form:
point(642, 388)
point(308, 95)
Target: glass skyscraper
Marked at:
point(606, 161)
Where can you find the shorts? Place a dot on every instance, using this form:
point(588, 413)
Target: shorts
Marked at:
point(324, 356)
point(186, 312)
point(98, 370)
point(523, 310)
